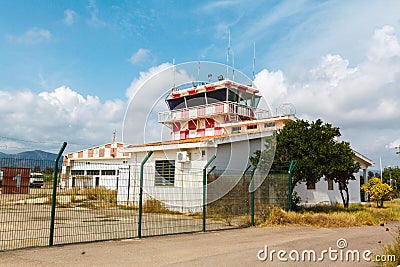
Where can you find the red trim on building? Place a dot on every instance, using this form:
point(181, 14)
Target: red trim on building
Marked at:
point(242, 88)
point(192, 125)
point(210, 88)
point(184, 134)
point(192, 91)
point(201, 111)
point(175, 94)
point(201, 132)
point(176, 127)
point(210, 123)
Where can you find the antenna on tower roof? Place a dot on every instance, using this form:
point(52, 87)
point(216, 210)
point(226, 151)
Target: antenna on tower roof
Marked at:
point(114, 135)
point(227, 54)
point(174, 70)
point(233, 66)
point(198, 70)
point(254, 59)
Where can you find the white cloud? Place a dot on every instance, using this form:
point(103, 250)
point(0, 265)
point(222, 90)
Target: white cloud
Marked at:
point(142, 55)
point(395, 143)
point(385, 44)
point(272, 85)
point(146, 96)
point(363, 100)
point(61, 115)
point(32, 36)
point(69, 17)
point(94, 11)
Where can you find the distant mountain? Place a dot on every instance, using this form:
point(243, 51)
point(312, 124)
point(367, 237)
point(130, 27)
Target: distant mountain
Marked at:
point(36, 154)
point(29, 159)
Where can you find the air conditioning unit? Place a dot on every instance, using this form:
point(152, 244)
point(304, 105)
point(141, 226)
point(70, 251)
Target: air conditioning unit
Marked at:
point(182, 156)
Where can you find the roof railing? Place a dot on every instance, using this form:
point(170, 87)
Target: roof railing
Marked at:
point(203, 111)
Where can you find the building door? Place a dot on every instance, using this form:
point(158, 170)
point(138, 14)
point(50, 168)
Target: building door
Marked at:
point(97, 182)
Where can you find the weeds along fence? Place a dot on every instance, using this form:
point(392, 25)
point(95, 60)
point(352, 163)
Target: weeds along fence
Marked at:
point(105, 201)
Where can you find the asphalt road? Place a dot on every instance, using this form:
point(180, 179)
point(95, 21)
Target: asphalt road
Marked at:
point(238, 247)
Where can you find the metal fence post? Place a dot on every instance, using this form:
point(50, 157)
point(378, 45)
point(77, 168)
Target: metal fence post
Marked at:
point(252, 192)
point(291, 167)
point(54, 194)
point(205, 191)
point(141, 193)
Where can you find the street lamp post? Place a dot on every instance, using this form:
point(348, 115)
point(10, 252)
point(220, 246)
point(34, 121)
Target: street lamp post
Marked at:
point(390, 176)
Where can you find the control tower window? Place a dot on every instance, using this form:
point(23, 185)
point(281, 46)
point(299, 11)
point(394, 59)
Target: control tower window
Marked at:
point(178, 103)
point(195, 100)
point(216, 96)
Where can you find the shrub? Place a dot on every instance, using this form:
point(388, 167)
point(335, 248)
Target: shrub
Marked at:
point(377, 191)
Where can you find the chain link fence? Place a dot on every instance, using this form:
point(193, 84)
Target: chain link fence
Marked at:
point(105, 201)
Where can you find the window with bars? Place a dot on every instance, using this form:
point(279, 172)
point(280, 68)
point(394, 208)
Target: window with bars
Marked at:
point(236, 129)
point(251, 127)
point(77, 172)
point(92, 172)
point(310, 185)
point(108, 172)
point(165, 173)
point(330, 184)
point(269, 124)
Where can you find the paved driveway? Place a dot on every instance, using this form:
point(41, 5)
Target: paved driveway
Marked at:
point(223, 248)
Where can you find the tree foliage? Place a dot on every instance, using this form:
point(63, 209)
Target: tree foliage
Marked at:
point(377, 191)
point(391, 176)
point(317, 152)
point(307, 143)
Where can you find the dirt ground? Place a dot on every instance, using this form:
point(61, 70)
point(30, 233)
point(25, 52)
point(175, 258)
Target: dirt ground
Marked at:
point(238, 247)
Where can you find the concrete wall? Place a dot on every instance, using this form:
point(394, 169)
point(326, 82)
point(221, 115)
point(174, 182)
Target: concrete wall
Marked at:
point(321, 194)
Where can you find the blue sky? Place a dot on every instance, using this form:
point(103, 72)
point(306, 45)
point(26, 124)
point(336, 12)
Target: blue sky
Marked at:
point(85, 57)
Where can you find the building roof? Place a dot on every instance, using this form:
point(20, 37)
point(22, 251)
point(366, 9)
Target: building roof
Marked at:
point(363, 159)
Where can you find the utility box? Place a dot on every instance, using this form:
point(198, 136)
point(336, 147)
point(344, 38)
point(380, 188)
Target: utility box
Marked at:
point(15, 180)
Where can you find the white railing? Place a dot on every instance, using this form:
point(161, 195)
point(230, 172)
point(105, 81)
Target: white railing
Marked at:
point(212, 109)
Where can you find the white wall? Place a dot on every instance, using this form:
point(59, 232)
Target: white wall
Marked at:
point(187, 193)
point(321, 194)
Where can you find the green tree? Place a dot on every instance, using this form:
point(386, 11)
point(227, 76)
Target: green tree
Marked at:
point(48, 170)
point(341, 167)
point(36, 169)
point(317, 153)
point(391, 176)
point(377, 191)
point(370, 174)
point(306, 143)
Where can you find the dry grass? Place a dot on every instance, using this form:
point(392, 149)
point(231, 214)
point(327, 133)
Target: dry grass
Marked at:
point(155, 206)
point(392, 249)
point(336, 216)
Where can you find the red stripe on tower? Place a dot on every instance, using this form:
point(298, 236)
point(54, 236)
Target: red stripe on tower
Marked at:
point(175, 94)
point(192, 91)
point(242, 88)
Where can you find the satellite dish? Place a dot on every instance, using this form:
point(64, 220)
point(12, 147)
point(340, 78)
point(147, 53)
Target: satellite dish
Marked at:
point(286, 109)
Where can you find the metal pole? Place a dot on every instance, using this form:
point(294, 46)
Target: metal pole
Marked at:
point(252, 195)
point(141, 193)
point(248, 167)
point(205, 191)
point(252, 192)
point(54, 194)
point(291, 167)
